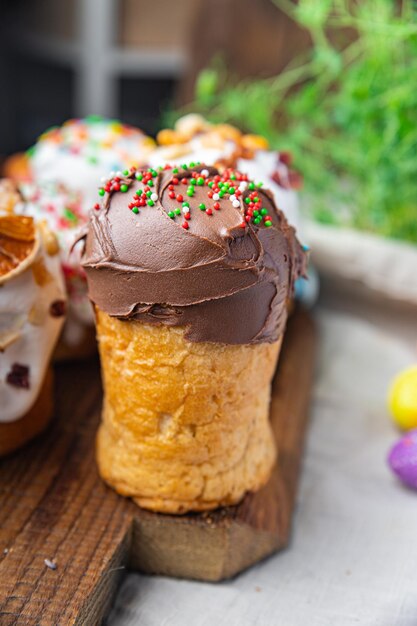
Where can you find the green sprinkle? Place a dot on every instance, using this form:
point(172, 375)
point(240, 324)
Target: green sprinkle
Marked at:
point(153, 172)
point(221, 194)
point(139, 176)
point(187, 204)
point(184, 167)
point(139, 192)
point(123, 188)
point(210, 184)
point(256, 213)
point(135, 209)
point(148, 194)
point(192, 181)
point(259, 185)
point(177, 211)
point(232, 190)
point(264, 211)
point(247, 200)
point(101, 192)
point(251, 186)
point(233, 177)
point(268, 223)
point(150, 183)
point(190, 192)
point(171, 214)
point(150, 203)
point(202, 206)
point(70, 215)
point(257, 220)
point(200, 181)
point(192, 164)
point(256, 199)
point(125, 172)
point(175, 170)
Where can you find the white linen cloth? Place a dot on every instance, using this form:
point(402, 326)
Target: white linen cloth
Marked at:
point(353, 555)
point(387, 267)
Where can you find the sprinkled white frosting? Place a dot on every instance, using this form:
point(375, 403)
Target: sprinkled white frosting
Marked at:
point(32, 304)
point(81, 151)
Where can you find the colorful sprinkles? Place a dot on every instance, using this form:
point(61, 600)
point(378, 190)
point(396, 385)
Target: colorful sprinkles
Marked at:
point(231, 184)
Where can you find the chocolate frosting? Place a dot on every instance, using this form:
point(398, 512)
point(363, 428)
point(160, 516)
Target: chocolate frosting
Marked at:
point(224, 278)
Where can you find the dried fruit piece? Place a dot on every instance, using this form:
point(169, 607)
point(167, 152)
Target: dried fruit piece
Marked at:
point(254, 142)
point(19, 227)
point(57, 308)
point(168, 137)
point(18, 376)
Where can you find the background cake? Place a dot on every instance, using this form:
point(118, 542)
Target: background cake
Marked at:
point(64, 169)
point(32, 312)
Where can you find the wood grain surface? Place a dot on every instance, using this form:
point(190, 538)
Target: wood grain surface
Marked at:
point(54, 507)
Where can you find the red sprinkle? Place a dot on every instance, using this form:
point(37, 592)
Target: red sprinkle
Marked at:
point(187, 216)
point(172, 194)
point(180, 198)
point(185, 225)
point(216, 205)
point(209, 212)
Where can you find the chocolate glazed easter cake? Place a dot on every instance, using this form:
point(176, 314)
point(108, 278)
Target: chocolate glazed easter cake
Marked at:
point(190, 272)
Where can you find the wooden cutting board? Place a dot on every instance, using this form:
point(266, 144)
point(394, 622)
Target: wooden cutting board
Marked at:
point(54, 507)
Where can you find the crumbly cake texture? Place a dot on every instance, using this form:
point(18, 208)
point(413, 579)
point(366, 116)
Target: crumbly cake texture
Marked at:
point(185, 425)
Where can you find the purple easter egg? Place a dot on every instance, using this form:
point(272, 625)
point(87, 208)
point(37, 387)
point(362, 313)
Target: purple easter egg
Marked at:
point(402, 459)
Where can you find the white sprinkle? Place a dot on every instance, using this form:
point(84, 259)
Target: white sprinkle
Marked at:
point(204, 172)
point(120, 174)
point(243, 186)
point(232, 198)
point(50, 564)
point(6, 551)
point(216, 196)
point(185, 209)
point(154, 197)
point(236, 203)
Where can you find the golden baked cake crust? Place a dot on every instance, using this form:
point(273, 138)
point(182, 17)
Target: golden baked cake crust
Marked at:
point(185, 425)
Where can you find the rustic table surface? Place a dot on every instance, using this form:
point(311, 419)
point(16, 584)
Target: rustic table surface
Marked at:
point(353, 555)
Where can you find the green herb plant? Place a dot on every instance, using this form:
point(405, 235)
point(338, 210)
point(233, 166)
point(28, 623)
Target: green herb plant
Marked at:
point(347, 110)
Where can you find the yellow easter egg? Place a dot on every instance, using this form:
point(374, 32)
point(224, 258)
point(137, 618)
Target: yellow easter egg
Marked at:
point(402, 399)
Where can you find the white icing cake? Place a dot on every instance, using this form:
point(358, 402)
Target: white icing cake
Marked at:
point(32, 312)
